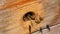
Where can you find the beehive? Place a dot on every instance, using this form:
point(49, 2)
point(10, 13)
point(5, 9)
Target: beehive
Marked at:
point(12, 12)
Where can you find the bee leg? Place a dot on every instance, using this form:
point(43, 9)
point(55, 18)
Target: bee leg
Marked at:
point(47, 26)
point(31, 23)
point(41, 31)
point(29, 29)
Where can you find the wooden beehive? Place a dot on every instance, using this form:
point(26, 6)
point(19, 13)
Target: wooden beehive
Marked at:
point(12, 12)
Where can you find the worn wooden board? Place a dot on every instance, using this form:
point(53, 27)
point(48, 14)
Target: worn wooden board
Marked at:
point(11, 15)
point(53, 30)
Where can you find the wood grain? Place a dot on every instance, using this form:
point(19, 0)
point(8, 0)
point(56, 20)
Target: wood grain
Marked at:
point(11, 15)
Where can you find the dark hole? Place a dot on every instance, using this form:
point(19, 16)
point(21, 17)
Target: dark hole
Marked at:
point(30, 15)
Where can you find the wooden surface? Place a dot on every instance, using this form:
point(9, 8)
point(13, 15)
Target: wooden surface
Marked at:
point(11, 13)
point(54, 30)
point(9, 3)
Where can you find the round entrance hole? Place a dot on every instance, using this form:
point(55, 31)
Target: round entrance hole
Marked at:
point(29, 16)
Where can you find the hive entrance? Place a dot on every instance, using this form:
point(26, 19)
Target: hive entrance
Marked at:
point(29, 16)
